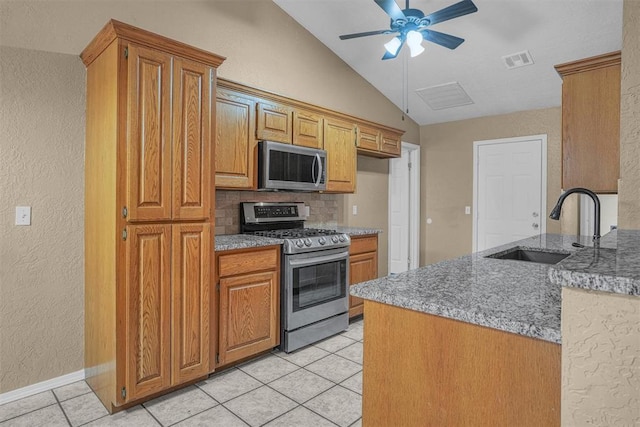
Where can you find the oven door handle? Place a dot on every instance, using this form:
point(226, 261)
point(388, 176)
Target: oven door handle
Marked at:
point(319, 259)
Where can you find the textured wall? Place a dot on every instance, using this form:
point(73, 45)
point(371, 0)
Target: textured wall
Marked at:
point(629, 184)
point(41, 266)
point(447, 176)
point(600, 359)
point(372, 199)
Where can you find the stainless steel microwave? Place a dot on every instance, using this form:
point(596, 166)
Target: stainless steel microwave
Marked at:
point(289, 167)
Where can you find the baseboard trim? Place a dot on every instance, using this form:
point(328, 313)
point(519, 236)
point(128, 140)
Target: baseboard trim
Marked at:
point(32, 389)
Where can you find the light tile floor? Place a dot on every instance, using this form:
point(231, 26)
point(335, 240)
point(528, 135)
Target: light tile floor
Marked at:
point(320, 385)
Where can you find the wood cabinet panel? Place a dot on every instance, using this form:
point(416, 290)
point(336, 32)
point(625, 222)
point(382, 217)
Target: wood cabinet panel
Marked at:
point(249, 312)
point(191, 244)
point(363, 266)
point(249, 298)
point(191, 140)
point(591, 123)
point(307, 129)
point(391, 144)
point(149, 144)
point(242, 262)
point(235, 141)
point(477, 376)
point(275, 122)
point(148, 309)
point(341, 155)
point(368, 138)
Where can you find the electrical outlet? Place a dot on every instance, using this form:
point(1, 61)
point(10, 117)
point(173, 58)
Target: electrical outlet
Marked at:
point(23, 215)
point(467, 210)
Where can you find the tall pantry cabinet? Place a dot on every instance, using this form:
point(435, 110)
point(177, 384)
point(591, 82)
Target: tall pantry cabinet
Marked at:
point(149, 196)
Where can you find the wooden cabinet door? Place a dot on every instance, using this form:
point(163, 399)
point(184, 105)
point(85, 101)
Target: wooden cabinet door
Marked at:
point(368, 138)
point(191, 261)
point(235, 140)
point(362, 267)
point(249, 315)
point(274, 122)
point(148, 302)
point(191, 140)
point(307, 129)
point(149, 139)
point(341, 156)
point(391, 144)
point(591, 130)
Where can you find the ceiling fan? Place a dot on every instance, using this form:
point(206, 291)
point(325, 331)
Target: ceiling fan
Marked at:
point(413, 27)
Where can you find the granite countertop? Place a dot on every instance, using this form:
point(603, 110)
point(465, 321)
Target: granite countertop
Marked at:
point(227, 242)
point(614, 267)
point(507, 295)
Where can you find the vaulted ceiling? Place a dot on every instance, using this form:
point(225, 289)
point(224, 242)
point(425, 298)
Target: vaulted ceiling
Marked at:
point(552, 31)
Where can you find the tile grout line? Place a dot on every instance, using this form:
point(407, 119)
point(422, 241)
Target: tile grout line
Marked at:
point(29, 412)
point(61, 408)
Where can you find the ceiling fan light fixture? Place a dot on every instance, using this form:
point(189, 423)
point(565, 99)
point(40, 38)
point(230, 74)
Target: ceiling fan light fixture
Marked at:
point(393, 45)
point(414, 41)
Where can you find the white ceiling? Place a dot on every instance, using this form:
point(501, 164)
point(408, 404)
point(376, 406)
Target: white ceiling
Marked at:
point(553, 31)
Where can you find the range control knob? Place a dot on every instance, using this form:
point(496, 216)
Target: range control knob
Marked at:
point(299, 243)
point(322, 240)
point(307, 242)
point(334, 239)
point(342, 238)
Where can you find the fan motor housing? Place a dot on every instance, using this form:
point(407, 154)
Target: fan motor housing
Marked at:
point(414, 19)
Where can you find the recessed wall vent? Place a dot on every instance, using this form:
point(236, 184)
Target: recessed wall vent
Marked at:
point(517, 60)
point(443, 96)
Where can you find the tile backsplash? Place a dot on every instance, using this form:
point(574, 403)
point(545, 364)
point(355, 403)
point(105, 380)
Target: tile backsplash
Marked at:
point(323, 208)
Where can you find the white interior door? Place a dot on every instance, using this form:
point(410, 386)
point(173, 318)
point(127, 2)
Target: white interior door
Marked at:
point(509, 190)
point(404, 209)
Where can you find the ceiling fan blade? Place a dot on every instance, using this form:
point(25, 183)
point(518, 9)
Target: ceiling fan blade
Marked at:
point(368, 33)
point(391, 8)
point(462, 8)
point(446, 40)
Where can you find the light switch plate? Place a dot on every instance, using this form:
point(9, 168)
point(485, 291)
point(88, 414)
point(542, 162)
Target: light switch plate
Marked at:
point(23, 215)
point(467, 210)
point(354, 209)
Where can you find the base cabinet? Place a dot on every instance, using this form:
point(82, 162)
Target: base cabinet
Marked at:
point(249, 296)
point(363, 266)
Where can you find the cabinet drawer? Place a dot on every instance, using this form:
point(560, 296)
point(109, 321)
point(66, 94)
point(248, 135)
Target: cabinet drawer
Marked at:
point(363, 244)
point(247, 261)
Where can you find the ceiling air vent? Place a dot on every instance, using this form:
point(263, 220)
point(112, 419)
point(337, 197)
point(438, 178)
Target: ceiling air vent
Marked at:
point(517, 60)
point(443, 96)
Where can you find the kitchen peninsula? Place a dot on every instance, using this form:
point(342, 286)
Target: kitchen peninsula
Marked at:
point(476, 340)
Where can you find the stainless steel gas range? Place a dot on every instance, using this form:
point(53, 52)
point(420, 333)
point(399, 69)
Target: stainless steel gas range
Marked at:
point(314, 298)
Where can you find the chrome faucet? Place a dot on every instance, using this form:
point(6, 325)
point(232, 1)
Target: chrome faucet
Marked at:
point(555, 212)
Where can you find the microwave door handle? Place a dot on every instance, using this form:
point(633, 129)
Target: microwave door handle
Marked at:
point(317, 161)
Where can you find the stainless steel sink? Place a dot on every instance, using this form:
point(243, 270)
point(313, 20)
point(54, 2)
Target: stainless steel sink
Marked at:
point(531, 255)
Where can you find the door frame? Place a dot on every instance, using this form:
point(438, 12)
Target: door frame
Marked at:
point(543, 181)
point(414, 208)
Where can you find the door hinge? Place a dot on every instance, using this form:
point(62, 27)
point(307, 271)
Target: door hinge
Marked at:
point(217, 357)
point(123, 392)
point(218, 286)
point(124, 212)
point(126, 53)
point(409, 164)
point(124, 234)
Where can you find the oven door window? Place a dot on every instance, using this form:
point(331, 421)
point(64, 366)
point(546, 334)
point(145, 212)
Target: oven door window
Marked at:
point(317, 284)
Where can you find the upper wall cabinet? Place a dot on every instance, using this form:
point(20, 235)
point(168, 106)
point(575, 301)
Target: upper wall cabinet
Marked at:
point(307, 129)
point(591, 123)
point(339, 141)
point(235, 140)
point(275, 122)
point(246, 115)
